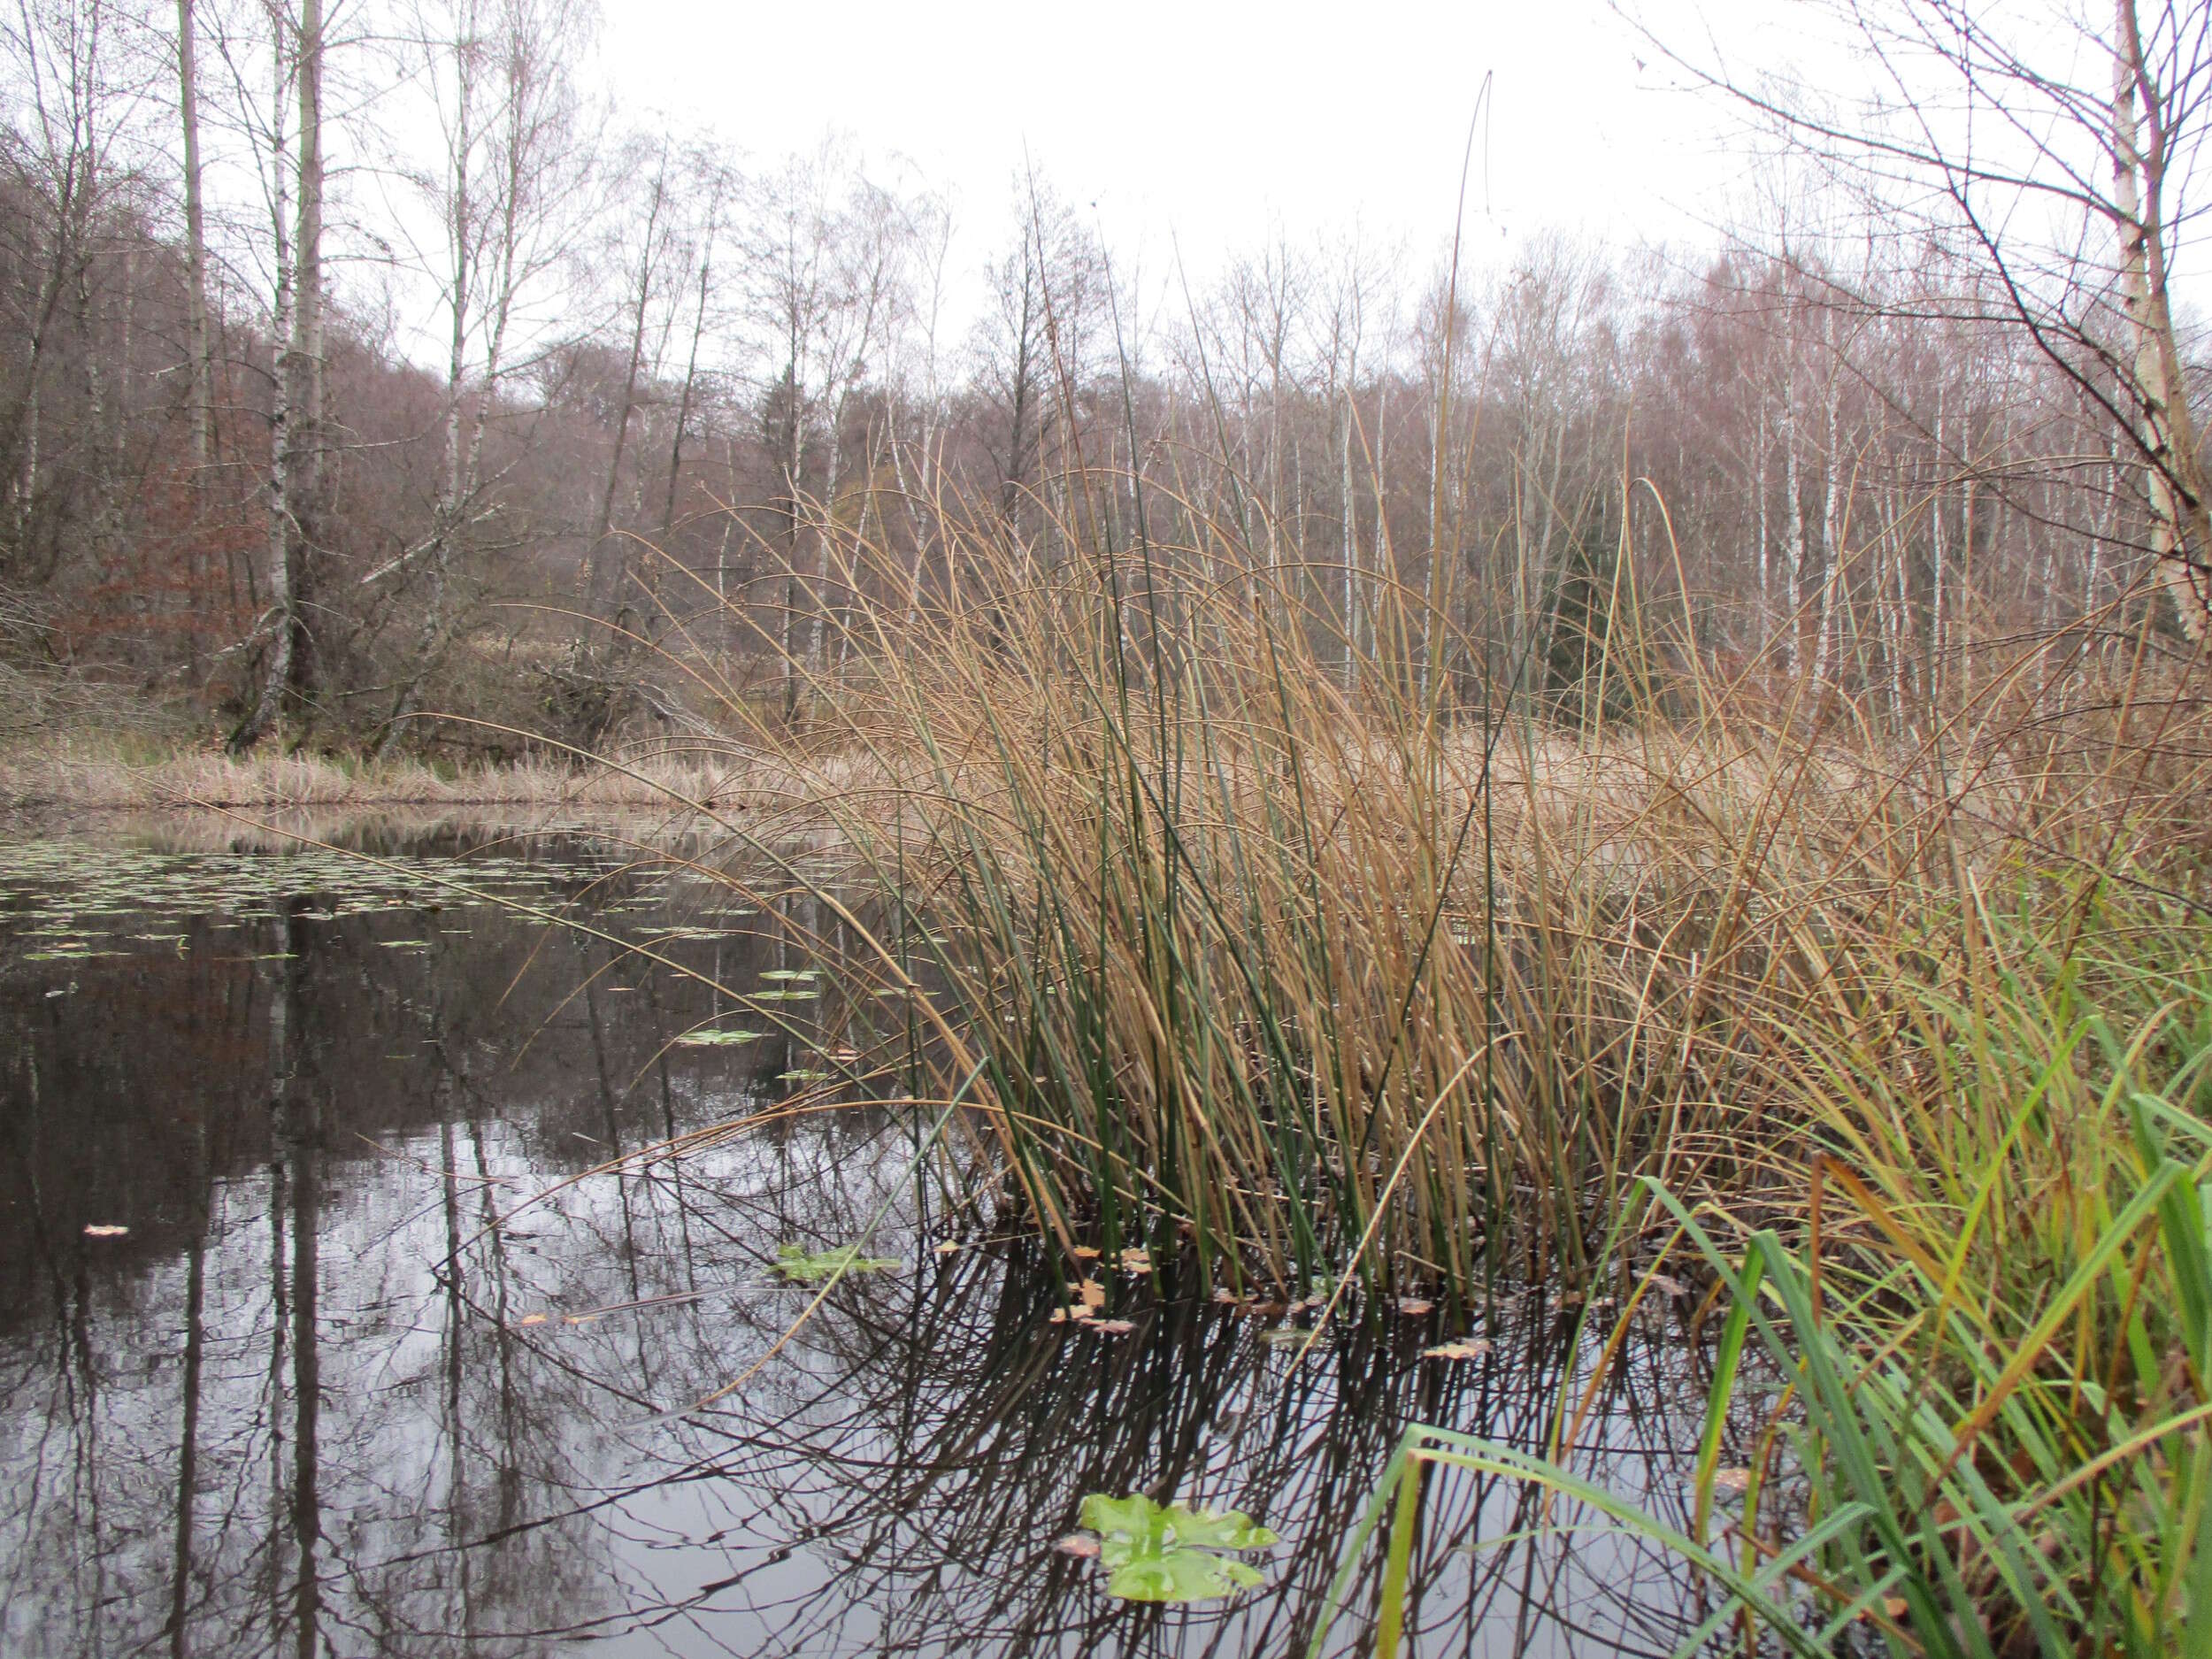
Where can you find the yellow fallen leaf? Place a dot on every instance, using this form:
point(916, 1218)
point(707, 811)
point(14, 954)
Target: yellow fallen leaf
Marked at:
point(948, 1248)
point(531, 1319)
point(1111, 1327)
point(1414, 1307)
point(105, 1230)
point(1093, 1294)
point(1731, 1479)
point(1136, 1261)
point(1474, 1347)
point(1085, 1252)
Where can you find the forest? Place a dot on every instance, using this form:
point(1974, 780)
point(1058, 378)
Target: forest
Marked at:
point(367, 368)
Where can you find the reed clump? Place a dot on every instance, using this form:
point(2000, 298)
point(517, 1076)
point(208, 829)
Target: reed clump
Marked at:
point(1331, 950)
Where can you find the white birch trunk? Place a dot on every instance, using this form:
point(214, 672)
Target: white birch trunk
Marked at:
point(2163, 415)
point(201, 413)
point(277, 667)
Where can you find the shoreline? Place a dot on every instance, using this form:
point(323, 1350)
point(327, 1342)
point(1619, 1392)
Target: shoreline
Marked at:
point(100, 780)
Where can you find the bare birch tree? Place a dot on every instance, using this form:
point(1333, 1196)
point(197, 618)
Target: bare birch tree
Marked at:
point(2053, 147)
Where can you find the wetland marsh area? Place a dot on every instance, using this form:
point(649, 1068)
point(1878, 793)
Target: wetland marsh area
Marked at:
point(1259, 884)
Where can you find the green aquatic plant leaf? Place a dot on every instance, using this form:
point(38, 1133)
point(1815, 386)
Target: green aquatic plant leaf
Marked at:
point(803, 1266)
point(1158, 1552)
point(716, 1039)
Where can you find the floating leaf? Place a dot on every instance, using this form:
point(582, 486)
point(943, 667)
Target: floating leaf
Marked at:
point(1080, 1546)
point(1165, 1553)
point(1182, 1575)
point(1134, 1260)
point(1085, 1252)
point(1473, 1347)
point(105, 1230)
point(1414, 1307)
point(1731, 1479)
point(1090, 1297)
point(1111, 1327)
point(716, 1039)
point(803, 1266)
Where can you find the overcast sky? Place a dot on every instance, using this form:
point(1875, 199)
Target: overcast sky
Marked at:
point(1212, 120)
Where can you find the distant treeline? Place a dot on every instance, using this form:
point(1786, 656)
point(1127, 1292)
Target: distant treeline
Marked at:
point(360, 365)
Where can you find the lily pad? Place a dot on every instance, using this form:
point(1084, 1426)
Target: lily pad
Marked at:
point(1171, 1551)
point(804, 1267)
point(716, 1039)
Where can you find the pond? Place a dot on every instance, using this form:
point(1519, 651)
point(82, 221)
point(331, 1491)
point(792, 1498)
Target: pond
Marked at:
point(372, 1282)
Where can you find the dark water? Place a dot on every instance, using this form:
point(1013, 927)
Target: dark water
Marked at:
point(342, 1387)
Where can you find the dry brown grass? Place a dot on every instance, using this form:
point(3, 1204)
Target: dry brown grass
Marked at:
point(105, 775)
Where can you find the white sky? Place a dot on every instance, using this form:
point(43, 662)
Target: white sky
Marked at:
point(1212, 120)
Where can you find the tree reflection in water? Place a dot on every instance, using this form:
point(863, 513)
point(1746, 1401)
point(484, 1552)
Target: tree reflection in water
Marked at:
point(338, 1392)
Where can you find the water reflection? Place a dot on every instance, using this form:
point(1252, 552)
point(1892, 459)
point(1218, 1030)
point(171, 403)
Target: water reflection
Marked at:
point(340, 1390)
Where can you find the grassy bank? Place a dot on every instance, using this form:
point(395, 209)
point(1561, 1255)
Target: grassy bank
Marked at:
point(99, 772)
